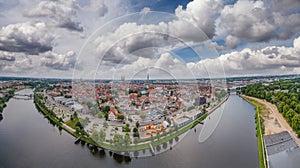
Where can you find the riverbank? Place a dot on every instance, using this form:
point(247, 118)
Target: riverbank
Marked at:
point(273, 120)
point(218, 105)
point(4, 100)
point(55, 120)
point(259, 130)
point(129, 148)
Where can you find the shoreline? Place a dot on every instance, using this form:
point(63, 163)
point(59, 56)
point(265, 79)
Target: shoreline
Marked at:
point(218, 105)
point(281, 120)
point(131, 147)
point(259, 134)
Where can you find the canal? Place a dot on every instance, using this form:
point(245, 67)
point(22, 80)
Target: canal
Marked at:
point(28, 139)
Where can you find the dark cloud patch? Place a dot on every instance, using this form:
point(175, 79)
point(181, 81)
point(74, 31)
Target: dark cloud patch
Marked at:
point(271, 56)
point(71, 25)
point(270, 50)
point(32, 48)
point(30, 38)
point(246, 55)
point(7, 58)
point(141, 44)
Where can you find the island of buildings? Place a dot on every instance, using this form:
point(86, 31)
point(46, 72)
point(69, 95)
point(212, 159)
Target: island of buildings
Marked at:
point(122, 114)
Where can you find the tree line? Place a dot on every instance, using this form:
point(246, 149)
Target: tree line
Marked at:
point(285, 94)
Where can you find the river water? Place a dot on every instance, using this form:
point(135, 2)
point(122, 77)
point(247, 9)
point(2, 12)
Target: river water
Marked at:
point(28, 139)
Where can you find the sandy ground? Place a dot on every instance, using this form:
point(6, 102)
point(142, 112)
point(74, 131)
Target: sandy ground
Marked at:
point(274, 122)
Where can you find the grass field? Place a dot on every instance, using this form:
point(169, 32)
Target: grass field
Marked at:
point(259, 132)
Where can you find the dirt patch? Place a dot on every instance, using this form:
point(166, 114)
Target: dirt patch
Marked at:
point(274, 122)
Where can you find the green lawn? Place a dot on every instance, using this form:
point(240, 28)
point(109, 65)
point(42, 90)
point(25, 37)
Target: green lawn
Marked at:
point(261, 152)
point(72, 123)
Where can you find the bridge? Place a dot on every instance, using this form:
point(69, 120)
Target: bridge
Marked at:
point(19, 96)
point(27, 95)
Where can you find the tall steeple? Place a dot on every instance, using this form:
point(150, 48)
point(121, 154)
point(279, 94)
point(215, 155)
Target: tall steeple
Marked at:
point(148, 77)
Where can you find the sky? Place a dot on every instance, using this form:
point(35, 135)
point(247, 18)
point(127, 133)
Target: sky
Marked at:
point(107, 39)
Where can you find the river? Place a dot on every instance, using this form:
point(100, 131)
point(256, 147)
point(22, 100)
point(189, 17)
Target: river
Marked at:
point(28, 139)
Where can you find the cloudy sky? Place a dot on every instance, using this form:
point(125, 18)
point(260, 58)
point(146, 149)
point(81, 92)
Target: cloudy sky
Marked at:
point(166, 38)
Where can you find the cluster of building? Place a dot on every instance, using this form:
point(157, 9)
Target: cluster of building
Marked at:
point(60, 89)
point(156, 106)
point(6, 86)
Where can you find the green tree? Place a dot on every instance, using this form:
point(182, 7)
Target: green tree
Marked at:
point(280, 107)
point(297, 108)
point(293, 104)
point(75, 114)
point(120, 117)
point(118, 140)
point(296, 122)
point(269, 96)
point(105, 109)
point(134, 129)
point(102, 135)
point(126, 128)
point(294, 97)
point(289, 115)
point(106, 116)
point(136, 134)
point(286, 108)
point(158, 136)
point(137, 124)
point(276, 99)
point(127, 139)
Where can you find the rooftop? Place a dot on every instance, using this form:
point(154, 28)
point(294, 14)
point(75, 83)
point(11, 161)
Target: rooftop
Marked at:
point(276, 143)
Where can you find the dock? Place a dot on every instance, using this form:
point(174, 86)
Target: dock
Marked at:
point(152, 149)
point(23, 96)
point(77, 140)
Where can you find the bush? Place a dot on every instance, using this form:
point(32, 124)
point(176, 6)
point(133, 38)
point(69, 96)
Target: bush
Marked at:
point(125, 129)
point(134, 129)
